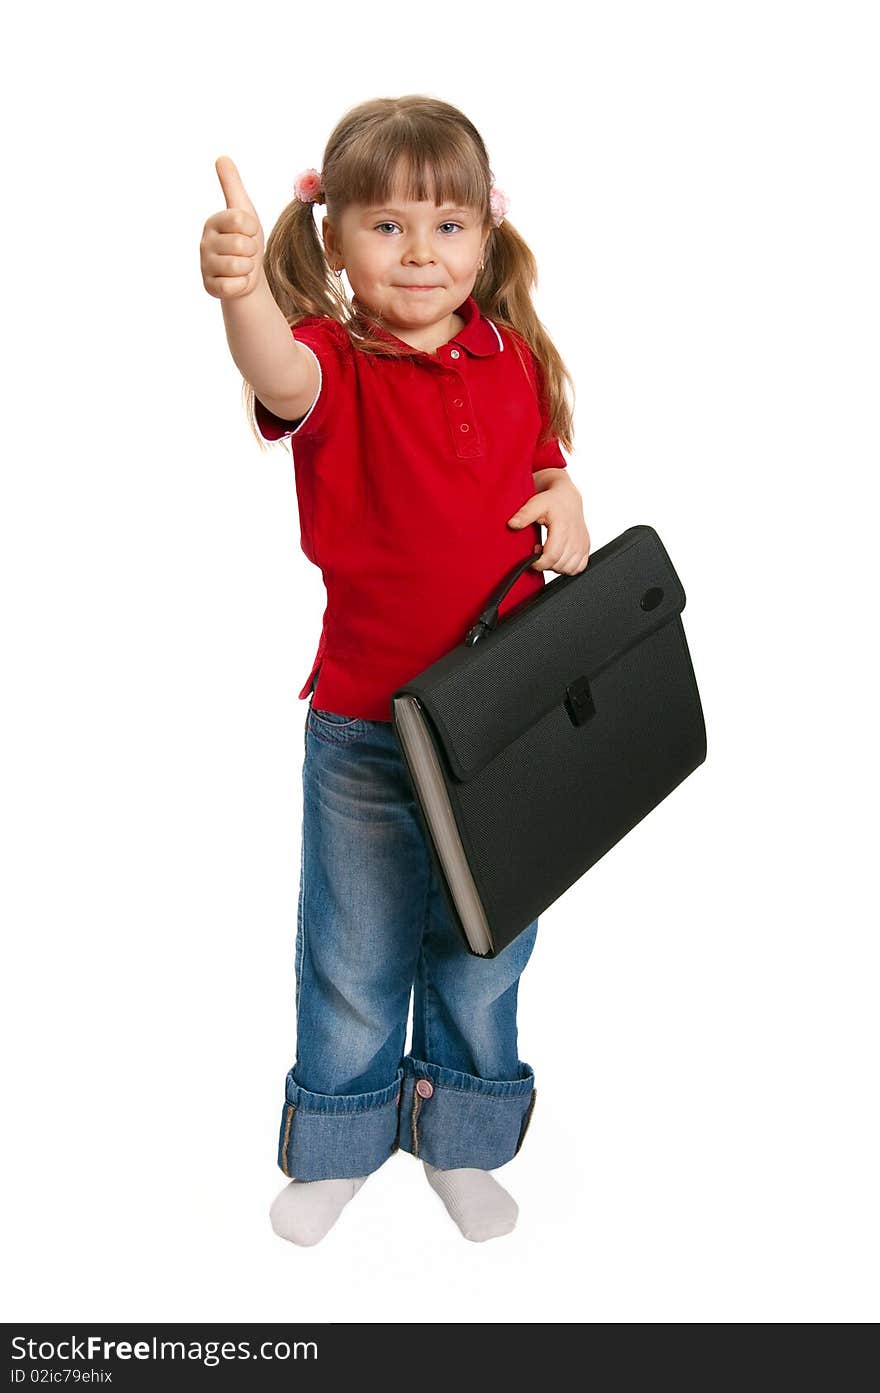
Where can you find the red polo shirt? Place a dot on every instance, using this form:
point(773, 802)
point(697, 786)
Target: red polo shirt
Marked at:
point(407, 470)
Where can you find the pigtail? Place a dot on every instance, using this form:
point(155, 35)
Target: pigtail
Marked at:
point(503, 291)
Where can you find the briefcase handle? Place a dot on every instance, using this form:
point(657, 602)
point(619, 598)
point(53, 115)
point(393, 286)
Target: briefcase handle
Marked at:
point(489, 618)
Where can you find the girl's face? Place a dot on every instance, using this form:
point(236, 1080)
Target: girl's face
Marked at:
point(413, 263)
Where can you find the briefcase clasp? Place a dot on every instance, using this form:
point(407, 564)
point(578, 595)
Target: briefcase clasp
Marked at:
point(579, 701)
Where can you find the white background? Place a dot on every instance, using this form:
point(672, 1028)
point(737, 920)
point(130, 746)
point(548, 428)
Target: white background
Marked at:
point(699, 185)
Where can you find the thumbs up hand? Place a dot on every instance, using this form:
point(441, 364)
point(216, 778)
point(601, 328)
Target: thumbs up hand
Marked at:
point(232, 245)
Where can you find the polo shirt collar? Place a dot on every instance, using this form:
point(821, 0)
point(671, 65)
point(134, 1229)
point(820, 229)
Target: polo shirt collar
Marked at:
point(477, 334)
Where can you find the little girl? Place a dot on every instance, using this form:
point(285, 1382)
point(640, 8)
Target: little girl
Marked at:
point(425, 418)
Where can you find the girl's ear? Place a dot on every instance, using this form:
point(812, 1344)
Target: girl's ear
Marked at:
point(328, 236)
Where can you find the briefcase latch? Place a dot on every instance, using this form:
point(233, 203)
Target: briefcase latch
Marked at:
point(579, 701)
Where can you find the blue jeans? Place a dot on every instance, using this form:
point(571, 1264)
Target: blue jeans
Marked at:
point(372, 925)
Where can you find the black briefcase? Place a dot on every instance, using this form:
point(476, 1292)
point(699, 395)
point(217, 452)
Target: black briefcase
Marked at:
point(538, 743)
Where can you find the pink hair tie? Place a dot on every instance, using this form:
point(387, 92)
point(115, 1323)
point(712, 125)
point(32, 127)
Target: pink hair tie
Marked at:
point(499, 204)
point(307, 187)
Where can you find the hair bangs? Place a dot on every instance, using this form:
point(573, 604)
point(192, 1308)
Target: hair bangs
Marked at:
point(392, 164)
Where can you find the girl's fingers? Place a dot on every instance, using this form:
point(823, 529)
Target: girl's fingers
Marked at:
point(226, 287)
point(234, 244)
point(229, 266)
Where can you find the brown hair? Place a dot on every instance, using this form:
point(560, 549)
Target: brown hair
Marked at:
point(438, 153)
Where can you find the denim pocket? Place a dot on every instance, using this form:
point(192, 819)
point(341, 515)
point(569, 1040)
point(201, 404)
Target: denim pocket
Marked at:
point(333, 728)
point(333, 718)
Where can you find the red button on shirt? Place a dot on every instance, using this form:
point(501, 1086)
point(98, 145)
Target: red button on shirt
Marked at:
point(404, 505)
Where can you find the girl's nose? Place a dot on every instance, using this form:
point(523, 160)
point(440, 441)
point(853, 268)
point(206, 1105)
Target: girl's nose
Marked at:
point(419, 253)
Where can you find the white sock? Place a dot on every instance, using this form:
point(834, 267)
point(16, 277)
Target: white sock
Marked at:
point(479, 1205)
point(307, 1209)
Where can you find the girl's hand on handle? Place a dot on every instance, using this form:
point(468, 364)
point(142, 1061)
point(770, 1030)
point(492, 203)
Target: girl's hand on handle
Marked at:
point(557, 504)
point(232, 245)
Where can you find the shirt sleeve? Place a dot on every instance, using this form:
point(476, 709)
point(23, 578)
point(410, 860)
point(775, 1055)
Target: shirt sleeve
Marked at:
point(323, 337)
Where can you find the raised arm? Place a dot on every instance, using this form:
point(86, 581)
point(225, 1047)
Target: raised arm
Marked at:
point(281, 371)
point(283, 374)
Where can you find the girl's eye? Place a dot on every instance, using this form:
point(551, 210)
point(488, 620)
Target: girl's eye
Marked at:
point(380, 225)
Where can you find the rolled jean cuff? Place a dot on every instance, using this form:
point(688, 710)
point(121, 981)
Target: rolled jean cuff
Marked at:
point(328, 1136)
point(450, 1119)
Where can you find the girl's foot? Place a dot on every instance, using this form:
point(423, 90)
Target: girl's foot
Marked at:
point(479, 1205)
point(307, 1209)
